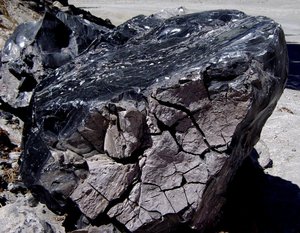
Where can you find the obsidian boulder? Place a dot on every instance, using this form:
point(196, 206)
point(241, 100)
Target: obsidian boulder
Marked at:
point(146, 127)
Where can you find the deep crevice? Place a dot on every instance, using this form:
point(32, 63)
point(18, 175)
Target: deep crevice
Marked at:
point(21, 112)
point(113, 109)
point(133, 159)
point(149, 211)
point(73, 217)
point(171, 129)
point(202, 155)
point(127, 192)
point(169, 202)
point(98, 191)
point(183, 181)
point(190, 115)
point(89, 142)
point(146, 143)
point(104, 219)
point(163, 190)
point(186, 111)
point(216, 147)
point(28, 83)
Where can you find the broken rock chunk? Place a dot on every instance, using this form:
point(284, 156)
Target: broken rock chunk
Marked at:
point(148, 133)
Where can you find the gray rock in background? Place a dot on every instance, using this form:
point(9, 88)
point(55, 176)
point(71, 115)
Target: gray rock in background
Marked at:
point(13, 126)
point(37, 48)
point(22, 216)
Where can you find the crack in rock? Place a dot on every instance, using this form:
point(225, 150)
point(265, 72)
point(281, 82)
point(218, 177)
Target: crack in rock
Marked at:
point(103, 173)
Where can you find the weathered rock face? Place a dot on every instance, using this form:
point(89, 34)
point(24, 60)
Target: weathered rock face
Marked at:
point(148, 132)
point(13, 13)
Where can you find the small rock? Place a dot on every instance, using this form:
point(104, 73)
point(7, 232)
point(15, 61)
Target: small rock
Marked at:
point(14, 155)
point(57, 4)
point(264, 158)
point(15, 166)
point(16, 187)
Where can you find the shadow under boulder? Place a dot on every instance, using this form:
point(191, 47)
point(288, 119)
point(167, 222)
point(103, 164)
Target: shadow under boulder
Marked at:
point(261, 203)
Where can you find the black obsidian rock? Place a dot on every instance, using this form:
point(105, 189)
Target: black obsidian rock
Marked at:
point(37, 48)
point(149, 124)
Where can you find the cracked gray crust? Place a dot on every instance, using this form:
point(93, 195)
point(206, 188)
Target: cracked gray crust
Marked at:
point(143, 166)
point(182, 159)
point(149, 164)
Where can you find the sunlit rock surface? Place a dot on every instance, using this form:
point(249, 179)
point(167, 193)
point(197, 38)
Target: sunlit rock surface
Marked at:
point(146, 128)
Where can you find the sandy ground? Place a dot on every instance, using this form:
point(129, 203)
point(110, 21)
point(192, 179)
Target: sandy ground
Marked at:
point(286, 12)
point(280, 137)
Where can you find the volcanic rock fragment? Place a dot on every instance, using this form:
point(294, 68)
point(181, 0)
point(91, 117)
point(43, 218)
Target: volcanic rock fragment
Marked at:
point(147, 133)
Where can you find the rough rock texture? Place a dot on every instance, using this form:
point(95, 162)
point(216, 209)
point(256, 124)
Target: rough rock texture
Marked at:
point(147, 127)
point(9, 155)
point(16, 12)
point(13, 13)
point(34, 49)
point(109, 228)
point(26, 215)
point(13, 126)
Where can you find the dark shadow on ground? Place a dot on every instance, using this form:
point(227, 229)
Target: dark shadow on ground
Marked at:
point(261, 203)
point(294, 66)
